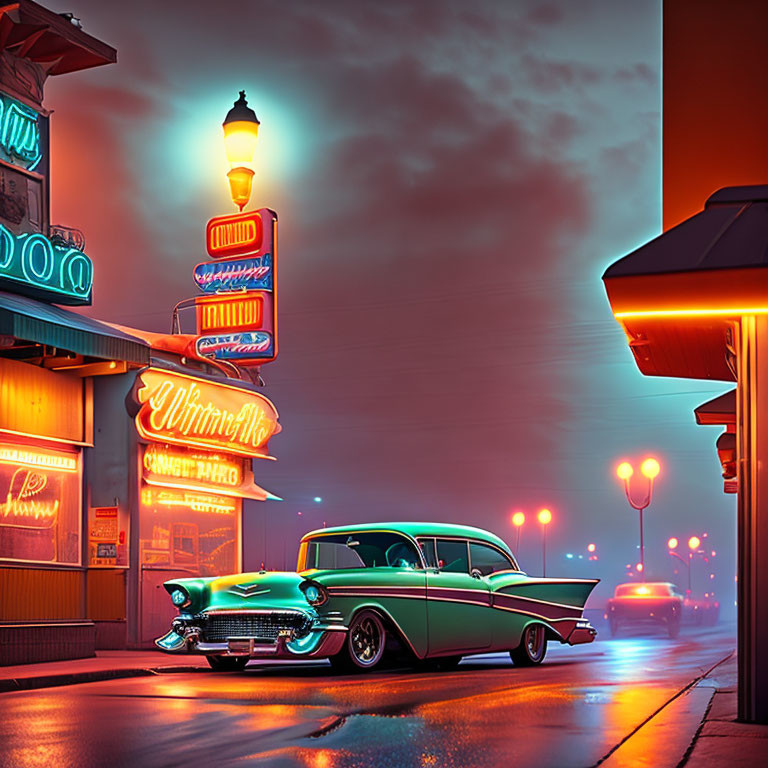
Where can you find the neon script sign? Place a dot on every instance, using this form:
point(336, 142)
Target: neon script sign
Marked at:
point(237, 346)
point(182, 410)
point(19, 133)
point(37, 267)
point(235, 274)
point(193, 465)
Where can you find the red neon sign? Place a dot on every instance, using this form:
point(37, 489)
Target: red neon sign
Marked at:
point(242, 312)
point(234, 235)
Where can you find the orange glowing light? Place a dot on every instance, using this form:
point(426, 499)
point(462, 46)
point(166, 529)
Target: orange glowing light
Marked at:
point(206, 468)
point(650, 468)
point(672, 543)
point(227, 313)
point(694, 312)
point(198, 502)
point(518, 519)
point(642, 590)
point(639, 567)
point(235, 235)
point(545, 517)
point(35, 458)
point(624, 471)
point(591, 547)
point(182, 410)
point(694, 543)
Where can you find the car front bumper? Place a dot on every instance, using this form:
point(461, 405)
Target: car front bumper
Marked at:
point(320, 642)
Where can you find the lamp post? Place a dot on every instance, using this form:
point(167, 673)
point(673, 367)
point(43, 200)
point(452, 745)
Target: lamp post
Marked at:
point(241, 127)
point(517, 520)
point(650, 469)
point(545, 518)
point(693, 546)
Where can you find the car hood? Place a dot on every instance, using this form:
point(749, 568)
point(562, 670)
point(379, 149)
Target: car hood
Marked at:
point(267, 590)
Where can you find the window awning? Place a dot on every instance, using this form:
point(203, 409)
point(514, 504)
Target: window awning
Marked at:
point(719, 411)
point(41, 323)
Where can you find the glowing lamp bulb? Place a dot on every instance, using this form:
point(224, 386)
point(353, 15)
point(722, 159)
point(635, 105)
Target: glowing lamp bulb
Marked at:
point(624, 471)
point(518, 519)
point(672, 543)
point(650, 468)
point(642, 591)
point(545, 517)
point(639, 567)
point(241, 129)
point(591, 547)
point(694, 543)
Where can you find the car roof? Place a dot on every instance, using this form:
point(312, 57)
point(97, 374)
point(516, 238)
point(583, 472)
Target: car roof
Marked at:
point(415, 530)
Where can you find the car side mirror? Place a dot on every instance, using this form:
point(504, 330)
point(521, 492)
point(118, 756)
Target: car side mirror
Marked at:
point(476, 574)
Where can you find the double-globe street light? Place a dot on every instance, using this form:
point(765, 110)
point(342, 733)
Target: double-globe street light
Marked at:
point(694, 544)
point(650, 469)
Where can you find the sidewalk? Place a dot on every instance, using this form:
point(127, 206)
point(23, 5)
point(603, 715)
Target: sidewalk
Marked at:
point(106, 665)
point(721, 741)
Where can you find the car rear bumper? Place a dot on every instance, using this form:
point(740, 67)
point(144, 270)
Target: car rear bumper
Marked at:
point(583, 632)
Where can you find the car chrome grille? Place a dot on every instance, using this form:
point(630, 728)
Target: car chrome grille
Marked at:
point(262, 626)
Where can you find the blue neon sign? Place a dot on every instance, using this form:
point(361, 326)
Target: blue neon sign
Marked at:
point(250, 345)
point(251, 274)
point(19, 133)
point(33, 265)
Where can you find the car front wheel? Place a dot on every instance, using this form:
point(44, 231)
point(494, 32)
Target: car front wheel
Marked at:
point(364, 647)
point(227, 663)
point(532, 648)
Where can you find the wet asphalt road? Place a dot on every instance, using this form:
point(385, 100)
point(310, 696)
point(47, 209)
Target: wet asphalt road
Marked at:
point(571, 711)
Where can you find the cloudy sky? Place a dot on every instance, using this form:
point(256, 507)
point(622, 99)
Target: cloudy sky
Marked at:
point(451, 179)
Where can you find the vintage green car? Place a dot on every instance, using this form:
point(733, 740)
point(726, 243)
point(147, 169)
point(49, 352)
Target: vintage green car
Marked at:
point(434, 592)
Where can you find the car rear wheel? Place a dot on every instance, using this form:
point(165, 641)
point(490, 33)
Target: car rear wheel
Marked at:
point(364, 647)
point(673, 626)
point(227, 663)
point(613, 625)
point(532, 648)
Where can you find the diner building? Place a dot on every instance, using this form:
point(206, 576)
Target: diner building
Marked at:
point(125, 455)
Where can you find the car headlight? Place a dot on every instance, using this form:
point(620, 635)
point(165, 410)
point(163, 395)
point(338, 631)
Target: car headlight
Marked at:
point(179, 598)
point(315, 594)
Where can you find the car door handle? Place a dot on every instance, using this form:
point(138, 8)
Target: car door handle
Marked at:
point(476, 574)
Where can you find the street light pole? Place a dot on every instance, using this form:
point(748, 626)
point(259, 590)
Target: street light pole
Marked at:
point(650, 468)
point(545, 518)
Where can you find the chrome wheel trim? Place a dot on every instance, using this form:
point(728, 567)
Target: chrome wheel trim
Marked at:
point(535, 642)
point(366, 639)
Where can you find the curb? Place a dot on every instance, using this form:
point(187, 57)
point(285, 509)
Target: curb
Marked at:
point(10, 685)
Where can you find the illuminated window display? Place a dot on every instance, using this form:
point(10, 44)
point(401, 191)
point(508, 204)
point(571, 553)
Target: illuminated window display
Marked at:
point(39, 505)
point(189, 531)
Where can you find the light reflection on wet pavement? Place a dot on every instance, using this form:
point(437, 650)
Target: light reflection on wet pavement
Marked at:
point(571, 711)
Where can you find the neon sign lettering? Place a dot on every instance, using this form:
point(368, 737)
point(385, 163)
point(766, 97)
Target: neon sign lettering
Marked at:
point(38, 267)
point(198, 502)
point(237, 234)
point(209, 468)
point(26, 502)
point(225, 312)
point(19, 133)
point(182, 410)
point(237, 346)
point(28, 458)
point(235, 274)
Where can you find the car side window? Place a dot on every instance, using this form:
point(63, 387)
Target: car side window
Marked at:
point(487, 559)
point(427, 547)
point(452, 556)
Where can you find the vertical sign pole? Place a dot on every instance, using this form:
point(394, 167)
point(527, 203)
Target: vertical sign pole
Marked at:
point(752, 446)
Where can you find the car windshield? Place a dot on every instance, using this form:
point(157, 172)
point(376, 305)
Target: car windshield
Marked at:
point(642, 590)
point(360, 550)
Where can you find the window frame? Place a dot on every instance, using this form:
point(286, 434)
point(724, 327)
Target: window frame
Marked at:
point(510, 561)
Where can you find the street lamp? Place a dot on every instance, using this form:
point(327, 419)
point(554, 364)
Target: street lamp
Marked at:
point(545, 518)
point(241, 127)
point(650, 469)
point(693, 545)
point(517, 520)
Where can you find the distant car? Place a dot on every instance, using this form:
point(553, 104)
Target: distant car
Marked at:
point(658, 602)
point(700, 611)
point(438, 592)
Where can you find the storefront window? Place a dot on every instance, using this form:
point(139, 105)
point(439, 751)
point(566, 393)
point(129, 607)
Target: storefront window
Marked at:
point(188, 531)
point(39, 504)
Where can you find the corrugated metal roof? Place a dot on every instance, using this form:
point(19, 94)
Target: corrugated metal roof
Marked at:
point(34, 321)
